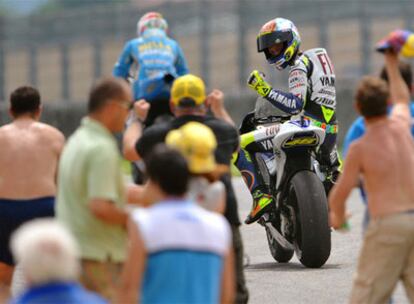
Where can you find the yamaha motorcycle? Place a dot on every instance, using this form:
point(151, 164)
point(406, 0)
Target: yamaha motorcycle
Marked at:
point(298, 220)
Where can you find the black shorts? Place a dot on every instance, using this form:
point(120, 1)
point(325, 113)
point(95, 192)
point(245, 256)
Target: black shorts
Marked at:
point(13, 213)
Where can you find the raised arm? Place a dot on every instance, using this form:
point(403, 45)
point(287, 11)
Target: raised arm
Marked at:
point(399, 92)
point(131, 135)
point(290, 103)
point(215, 100)
point(134, 130)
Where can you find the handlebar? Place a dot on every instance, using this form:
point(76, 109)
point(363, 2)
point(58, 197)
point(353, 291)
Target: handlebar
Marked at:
point(271, 119)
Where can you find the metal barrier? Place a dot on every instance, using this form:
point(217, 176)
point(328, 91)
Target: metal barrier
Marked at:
point(63, 53)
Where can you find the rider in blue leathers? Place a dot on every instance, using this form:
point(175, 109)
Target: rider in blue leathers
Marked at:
point(158, 60)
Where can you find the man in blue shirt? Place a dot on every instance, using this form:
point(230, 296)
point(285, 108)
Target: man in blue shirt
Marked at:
point(158, 60)
point(178, 251)
point(357, 129)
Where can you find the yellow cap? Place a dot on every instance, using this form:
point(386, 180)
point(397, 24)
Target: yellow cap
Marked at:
point(408, 47)
point(197, 143)
point(188, 90)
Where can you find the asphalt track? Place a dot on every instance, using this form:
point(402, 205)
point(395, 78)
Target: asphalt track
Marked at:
point(270, 282)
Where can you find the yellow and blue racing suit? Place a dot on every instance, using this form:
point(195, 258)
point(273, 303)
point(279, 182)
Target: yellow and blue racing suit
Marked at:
point(158, 60)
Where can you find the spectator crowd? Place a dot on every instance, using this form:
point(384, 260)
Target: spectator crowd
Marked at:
point(75, 229)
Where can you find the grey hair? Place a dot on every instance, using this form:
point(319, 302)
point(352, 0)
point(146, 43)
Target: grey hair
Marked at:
point(46, 252)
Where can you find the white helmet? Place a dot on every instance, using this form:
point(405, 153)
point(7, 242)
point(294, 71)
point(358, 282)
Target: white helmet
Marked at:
point(279, 30)
point(151, 20)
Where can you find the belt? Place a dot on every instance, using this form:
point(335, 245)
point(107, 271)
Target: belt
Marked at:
point(329, 128)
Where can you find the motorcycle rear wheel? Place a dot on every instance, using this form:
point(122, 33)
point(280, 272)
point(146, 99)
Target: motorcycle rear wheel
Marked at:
point(312, 231)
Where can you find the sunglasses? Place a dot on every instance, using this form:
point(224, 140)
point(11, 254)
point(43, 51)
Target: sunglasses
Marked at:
point(126, 104)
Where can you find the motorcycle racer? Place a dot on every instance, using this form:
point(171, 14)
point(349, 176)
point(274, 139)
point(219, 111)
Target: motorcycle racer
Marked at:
point(311, 95)
point(158, 60)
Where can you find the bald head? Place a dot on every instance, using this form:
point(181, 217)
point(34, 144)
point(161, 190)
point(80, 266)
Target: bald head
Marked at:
point(107, 89)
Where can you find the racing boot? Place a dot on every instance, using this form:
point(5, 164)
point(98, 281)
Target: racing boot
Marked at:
point(330, 181)
point(331, 172)
point(262, 202)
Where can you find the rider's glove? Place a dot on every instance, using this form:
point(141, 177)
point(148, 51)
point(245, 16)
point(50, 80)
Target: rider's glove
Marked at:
point(399, 41)
point(256, 82)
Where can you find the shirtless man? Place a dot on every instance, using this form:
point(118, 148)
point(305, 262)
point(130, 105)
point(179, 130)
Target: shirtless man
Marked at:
point(29, 156)
point(384, 157)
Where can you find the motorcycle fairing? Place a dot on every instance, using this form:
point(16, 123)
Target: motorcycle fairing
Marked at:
point(295, 133)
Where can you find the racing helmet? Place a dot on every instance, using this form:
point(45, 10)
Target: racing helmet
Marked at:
point(276, 31)
point(151, 20)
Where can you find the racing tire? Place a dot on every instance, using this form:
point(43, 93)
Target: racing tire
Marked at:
point(312, 232)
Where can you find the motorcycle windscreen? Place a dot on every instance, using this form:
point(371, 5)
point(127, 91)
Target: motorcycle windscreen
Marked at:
point(264, 108)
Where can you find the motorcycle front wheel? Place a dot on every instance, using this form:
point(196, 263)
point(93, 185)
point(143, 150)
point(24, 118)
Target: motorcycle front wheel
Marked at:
point(312, 232)
point(280, 254)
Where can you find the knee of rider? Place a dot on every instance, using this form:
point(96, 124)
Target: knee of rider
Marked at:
point(235, 157)
point(246, 139)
